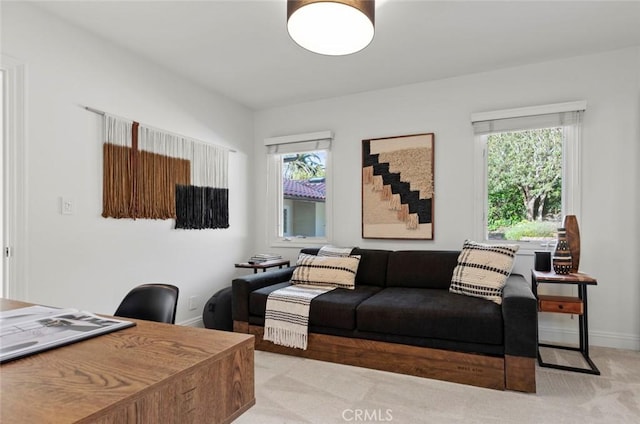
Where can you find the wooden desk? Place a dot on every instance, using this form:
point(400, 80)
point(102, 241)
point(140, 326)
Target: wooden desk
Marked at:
point(567, 305)
point(264, 265)
point(150, 373)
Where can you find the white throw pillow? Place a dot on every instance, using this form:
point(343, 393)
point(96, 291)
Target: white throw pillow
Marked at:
point(483, 269)
point(329, 271)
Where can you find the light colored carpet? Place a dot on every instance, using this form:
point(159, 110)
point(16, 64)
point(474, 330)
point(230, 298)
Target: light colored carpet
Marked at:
point(295, 390)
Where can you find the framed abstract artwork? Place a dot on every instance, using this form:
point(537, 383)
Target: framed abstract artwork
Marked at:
point(398, 187)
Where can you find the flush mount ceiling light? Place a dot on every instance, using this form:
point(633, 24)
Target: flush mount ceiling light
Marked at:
point(331, 27)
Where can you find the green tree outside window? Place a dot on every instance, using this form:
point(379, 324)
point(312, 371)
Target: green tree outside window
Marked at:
point(524, 183)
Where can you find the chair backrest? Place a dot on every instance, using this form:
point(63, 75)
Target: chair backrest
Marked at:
point(151, 302)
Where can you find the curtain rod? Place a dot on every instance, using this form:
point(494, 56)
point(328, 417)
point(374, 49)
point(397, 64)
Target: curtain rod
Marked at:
point(101, 112)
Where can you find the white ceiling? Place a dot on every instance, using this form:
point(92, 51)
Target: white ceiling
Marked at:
point(241, 49)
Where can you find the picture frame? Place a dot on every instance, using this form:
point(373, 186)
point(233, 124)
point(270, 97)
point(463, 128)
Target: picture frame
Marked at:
point(398, 187)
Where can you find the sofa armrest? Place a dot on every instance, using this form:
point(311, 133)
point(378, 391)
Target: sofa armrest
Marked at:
point(520, 315)
point(243, 286)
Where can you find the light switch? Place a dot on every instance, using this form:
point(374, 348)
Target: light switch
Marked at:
point(194, 301)
point(67, 206)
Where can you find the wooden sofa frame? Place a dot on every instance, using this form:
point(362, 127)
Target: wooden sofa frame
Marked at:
point(508, 372)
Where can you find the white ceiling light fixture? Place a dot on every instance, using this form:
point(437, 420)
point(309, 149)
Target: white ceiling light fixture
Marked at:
point(331, 27)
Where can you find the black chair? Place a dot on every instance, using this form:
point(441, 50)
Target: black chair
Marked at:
point(151, 302)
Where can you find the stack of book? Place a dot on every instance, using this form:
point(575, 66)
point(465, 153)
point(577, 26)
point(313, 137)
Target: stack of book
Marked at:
point(263, 257)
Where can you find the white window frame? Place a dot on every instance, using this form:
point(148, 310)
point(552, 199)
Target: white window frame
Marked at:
point(571, 164)
point(298, 143)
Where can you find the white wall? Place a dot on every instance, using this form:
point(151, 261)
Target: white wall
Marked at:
point(83, 260)
point(89, 262)
point(609, 82)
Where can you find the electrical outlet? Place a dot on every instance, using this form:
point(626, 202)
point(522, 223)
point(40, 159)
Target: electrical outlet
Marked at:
point(67, 206)
point(194, 301)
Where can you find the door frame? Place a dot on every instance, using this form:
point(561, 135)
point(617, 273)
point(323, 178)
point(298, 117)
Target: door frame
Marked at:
point(14, 190)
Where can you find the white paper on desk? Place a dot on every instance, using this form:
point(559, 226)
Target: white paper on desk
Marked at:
point(29, 313)
point(33, 329)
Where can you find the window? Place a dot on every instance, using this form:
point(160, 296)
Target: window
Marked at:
point(527, 162)
point(298, 189)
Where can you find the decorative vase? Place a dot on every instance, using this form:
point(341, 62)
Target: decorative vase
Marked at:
point(562, 255)
point(573, 237)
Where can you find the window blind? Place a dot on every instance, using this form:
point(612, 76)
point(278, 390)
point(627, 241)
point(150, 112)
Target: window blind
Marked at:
point(299, 143)
point(548, 116)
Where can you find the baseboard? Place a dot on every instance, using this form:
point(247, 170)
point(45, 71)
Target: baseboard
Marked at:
point(193, 322)
point(616, 340)
point(596, 338)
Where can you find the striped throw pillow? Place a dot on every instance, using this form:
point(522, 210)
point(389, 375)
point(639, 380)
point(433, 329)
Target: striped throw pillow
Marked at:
point(483, 269)
point(325, 271)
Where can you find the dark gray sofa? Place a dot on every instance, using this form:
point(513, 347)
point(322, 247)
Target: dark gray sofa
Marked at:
point(401, 317)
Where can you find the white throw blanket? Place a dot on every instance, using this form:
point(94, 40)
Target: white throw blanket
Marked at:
point(287, 316)
point(335, 251)
point(286, 320)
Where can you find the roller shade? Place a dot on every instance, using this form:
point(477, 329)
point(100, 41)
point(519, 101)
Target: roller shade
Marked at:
point(548, 116)
point(299, 143)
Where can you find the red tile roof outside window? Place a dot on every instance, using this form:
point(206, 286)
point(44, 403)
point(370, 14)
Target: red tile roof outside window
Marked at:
point(313, 190)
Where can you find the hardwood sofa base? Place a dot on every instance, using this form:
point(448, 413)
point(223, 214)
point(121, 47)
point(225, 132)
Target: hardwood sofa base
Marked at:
point(511, 372)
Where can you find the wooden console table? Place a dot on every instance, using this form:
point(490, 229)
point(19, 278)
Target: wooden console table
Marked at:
point(567, 305)
point(150, 373)
point(264, 265)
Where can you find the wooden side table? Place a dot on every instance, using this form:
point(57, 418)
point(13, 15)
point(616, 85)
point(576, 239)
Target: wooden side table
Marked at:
point(264, 265)
point(566, 305)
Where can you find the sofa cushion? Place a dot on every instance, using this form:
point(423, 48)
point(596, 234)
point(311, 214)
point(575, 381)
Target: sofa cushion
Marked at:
point(327, 271)
point(429, 269)
point(483, 269)
point(432, 313)
point(336, 309)
point(373, 266)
